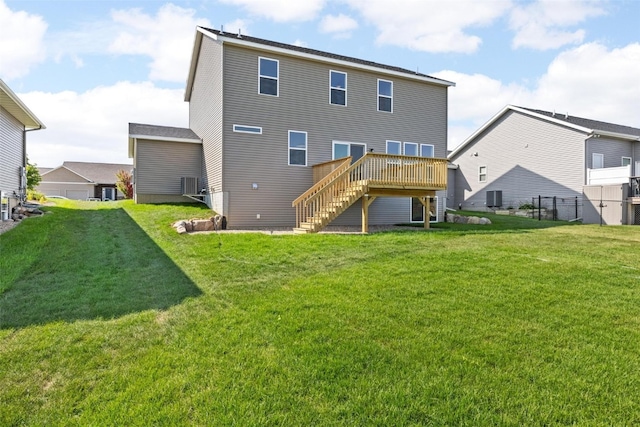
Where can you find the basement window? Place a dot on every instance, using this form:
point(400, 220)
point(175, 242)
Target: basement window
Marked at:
point(247, 129)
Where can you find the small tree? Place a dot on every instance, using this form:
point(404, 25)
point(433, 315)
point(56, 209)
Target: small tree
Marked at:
point(124, 184)
point(33, 176)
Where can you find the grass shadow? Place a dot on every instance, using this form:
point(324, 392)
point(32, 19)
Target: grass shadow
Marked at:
point(88, 264)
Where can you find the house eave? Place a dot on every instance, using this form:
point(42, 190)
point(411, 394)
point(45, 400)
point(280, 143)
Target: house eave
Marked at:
point(10, 102)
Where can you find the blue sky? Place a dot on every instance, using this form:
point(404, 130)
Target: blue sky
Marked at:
point(88, 68)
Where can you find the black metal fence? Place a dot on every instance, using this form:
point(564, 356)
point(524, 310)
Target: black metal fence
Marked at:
point(555, 208)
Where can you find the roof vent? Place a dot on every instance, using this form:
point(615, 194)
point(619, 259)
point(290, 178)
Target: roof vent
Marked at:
point(221, 29)
point(239, 34)
point(554, 113)
point(566, 115)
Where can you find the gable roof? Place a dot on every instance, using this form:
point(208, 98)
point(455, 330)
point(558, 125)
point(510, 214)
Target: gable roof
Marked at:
point(95, 173)
point(302, 52)
point(587, 126)
point(10, 102)
point(160, 133)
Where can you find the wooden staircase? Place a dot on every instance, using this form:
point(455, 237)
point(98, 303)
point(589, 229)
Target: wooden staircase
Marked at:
point(340, 184)
point(331, 210)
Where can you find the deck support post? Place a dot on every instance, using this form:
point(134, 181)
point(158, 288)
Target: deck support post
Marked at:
point(426, 202)
point(366, 201)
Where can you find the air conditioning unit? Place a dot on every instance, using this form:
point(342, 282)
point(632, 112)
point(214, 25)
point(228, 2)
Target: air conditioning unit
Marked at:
point(190, 185)
point(494, 199)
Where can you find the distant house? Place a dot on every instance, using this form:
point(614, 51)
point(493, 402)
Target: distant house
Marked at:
point(281, 135)
point(524, 156)
point(82, 180)
point(15, 121)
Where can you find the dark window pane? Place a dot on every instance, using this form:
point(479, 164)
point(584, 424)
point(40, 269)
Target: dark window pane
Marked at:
point(410, 150)
point(427, 150)
point(384, 104)
point(268, 86)
point(268, 68)
point(417, 210)
point(338, 97)
point(297, 157)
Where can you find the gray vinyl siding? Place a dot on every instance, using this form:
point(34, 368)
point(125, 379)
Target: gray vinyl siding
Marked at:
point(419, 115)
point(525, 157)
point(11, 152)
point(612, 149)
point(161, 164)
point(206, 110)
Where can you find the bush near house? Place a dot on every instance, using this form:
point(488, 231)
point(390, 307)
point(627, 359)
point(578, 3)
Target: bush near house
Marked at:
point(520, 322)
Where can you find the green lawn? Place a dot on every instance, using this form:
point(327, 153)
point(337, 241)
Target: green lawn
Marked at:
point(109, 317)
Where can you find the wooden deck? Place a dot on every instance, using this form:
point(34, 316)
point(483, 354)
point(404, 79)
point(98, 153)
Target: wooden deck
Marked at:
point(339, 184)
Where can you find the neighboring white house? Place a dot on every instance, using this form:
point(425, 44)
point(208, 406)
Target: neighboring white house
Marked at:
point(82, 180)
point(271, 121)
point(15, 121)
point(524, 155)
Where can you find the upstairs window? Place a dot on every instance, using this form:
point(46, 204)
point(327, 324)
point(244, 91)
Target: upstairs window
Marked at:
point(597, 161)
point(482, 174)
point(297, 148)
point(268, 76)
point(426, 150)
point(626, 161)
point(385, 95)
point(338, 82)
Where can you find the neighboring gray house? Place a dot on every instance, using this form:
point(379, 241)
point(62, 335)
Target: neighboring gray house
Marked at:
point(15, 121)
point(82, 180)
point(521, 154)
point(269, 120)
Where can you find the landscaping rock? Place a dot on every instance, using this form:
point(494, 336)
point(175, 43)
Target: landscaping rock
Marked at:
point(461, 219)
point(202, 225)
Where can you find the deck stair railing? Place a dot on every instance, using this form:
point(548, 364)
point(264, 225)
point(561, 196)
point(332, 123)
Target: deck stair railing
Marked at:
point(634, 186)
point(347, 183)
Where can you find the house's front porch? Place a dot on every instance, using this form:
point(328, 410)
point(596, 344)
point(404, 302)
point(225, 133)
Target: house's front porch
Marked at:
point(339, 184)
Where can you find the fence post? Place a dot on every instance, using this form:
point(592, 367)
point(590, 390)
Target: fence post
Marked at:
point(539, 207)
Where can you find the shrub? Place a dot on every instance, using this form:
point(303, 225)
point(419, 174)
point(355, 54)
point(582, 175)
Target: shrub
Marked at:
point(35, 195)
point(527, 206)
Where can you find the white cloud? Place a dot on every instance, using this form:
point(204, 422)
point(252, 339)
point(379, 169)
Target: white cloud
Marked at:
point(540, 25)
point(281, 10)
point(21, 46)
point(589, 81)
point(340, 25)
point(430, 26)
point(167, 38)
point(93, 126)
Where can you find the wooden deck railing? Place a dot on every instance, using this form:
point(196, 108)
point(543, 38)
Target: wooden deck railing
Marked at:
point(323, 169)
point(346, 183)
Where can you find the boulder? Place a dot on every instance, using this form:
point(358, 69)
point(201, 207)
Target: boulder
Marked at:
point(202, 225)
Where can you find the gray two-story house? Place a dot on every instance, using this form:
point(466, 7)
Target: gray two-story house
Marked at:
point(527, 156)
point(291, 136)
point(15, 121)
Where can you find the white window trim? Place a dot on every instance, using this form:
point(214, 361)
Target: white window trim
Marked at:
point(435, 202)
point(384, 96)
point(257, 132)
point(628, 158)
point(415, 144)
point(433, 150)
point(269, 77)
point(396, 142)
point(593, 158)
point(306, 146)
point(337, 88)
point(349, 143)
point(486, 170)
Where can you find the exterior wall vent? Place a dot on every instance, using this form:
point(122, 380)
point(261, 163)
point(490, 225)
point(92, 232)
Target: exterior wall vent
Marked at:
point(190, 185)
